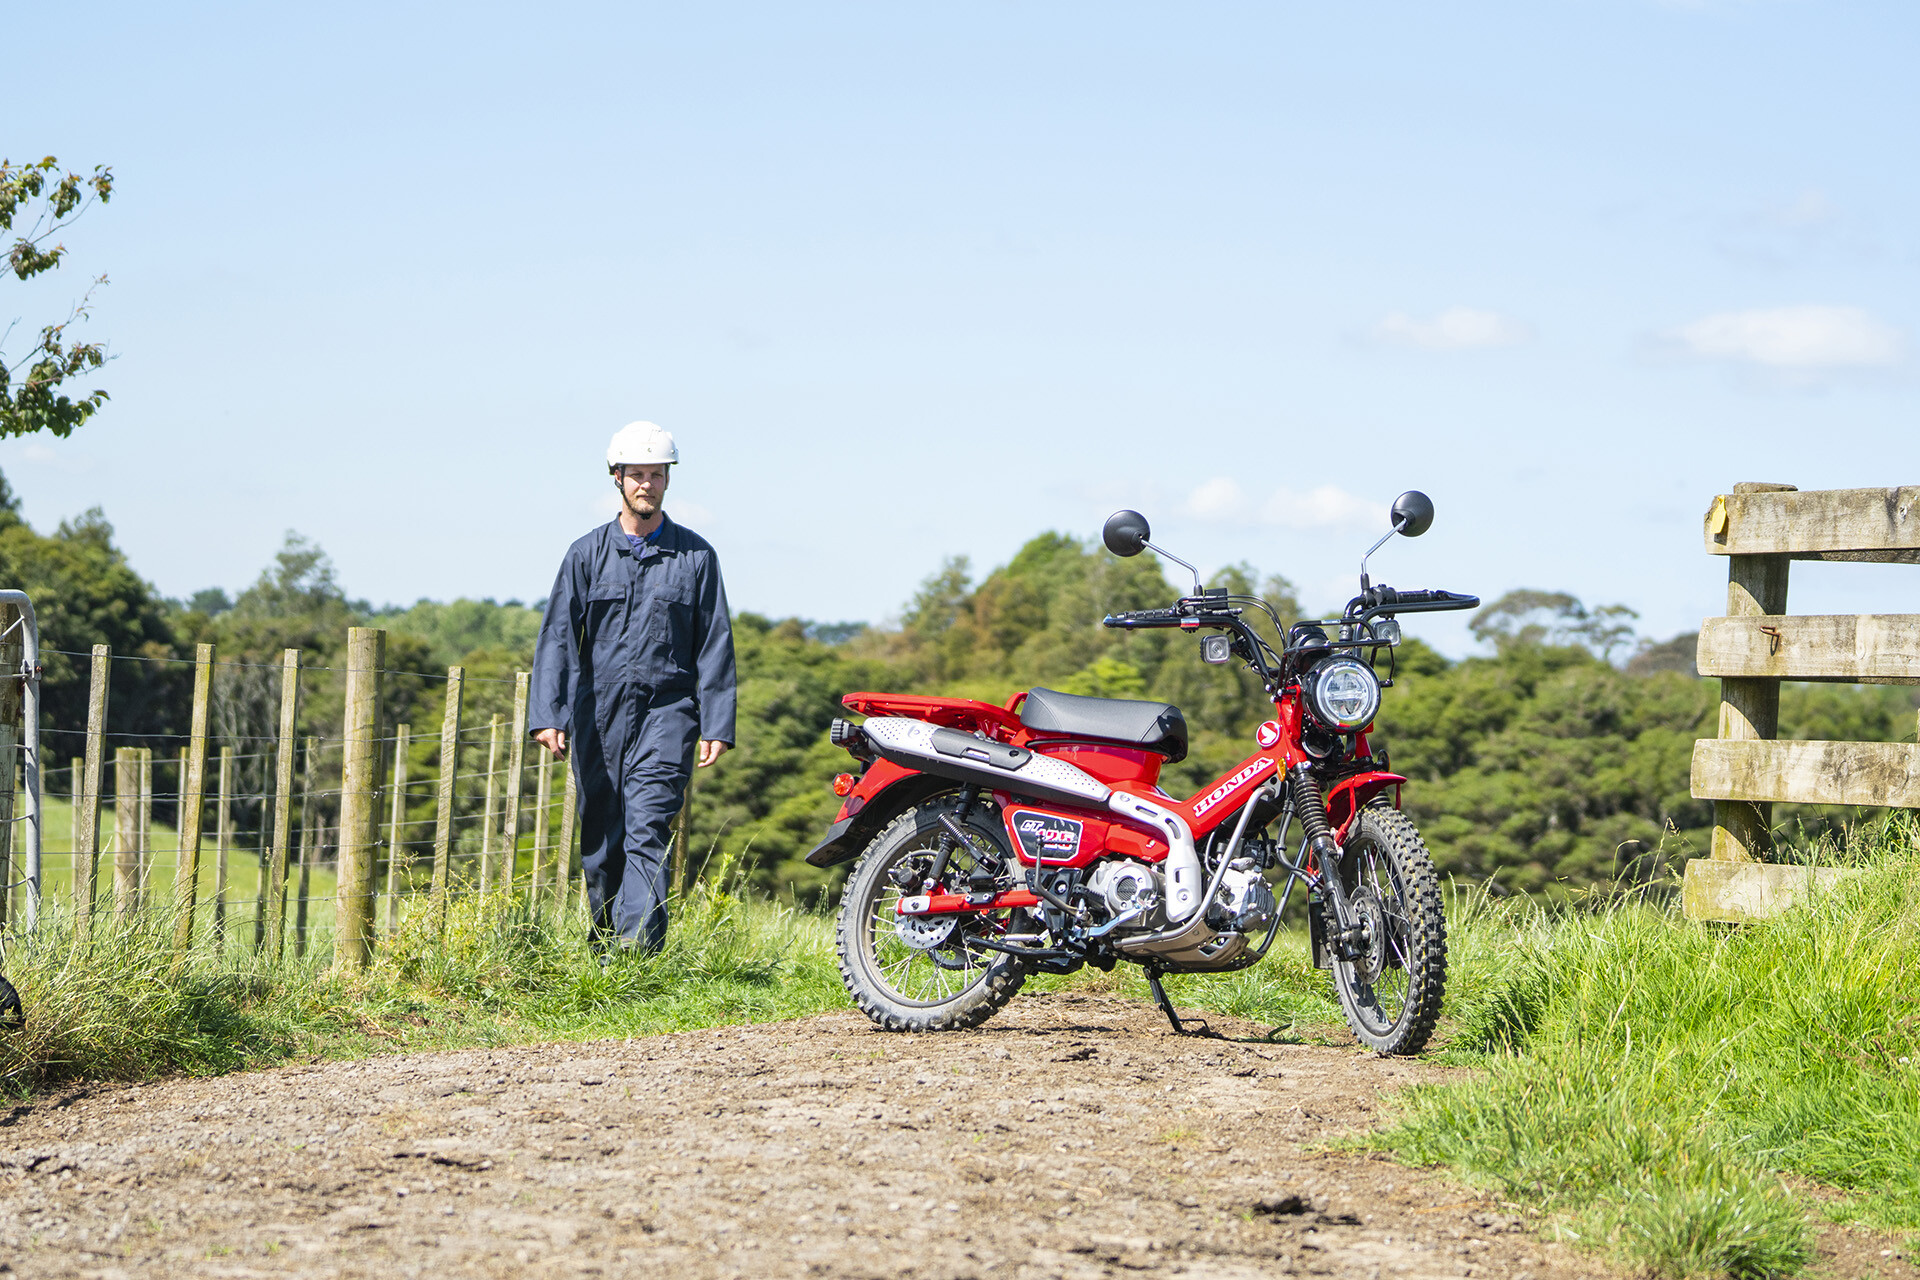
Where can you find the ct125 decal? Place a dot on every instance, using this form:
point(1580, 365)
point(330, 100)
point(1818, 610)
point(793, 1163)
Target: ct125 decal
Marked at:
point(1045, 836)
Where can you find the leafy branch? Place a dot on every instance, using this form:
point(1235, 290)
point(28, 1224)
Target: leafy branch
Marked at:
point(34, 402)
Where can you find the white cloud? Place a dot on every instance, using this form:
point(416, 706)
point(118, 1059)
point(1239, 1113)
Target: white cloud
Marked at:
point(1810, 209)
point(1799, 339)
point(1218, 499)
point(1455, 329)
point(1328, 507)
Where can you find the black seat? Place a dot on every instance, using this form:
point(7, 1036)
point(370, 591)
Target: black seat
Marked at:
point(1155, 726)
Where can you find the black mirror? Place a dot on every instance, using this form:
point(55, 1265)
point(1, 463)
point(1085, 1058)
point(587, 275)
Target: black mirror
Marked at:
point(1412, 513)
point(1126, 533)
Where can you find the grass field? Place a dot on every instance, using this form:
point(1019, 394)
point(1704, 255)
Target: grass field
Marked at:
point(1646, 1081)
point(1650, 1080)
point(243, 868)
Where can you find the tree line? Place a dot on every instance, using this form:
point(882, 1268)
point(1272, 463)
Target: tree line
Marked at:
point(1555, 763)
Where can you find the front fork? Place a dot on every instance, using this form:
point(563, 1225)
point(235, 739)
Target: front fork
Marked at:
point(1341, 935)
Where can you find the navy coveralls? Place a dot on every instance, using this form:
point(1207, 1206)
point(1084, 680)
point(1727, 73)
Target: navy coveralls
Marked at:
point(634, 663)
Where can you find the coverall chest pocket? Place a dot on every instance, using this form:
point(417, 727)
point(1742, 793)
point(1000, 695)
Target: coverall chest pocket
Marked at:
point(608, 650)
point(672, 620)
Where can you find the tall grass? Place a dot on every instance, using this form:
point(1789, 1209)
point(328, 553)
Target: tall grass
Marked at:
point(1649, 1079)
point(121, 1008)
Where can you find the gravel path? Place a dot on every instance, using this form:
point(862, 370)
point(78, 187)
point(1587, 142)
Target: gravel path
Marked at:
point(1072, 1136)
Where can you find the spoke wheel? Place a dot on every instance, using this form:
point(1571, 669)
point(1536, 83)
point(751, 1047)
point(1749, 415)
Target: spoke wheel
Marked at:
point(917, 974)
point(1390, 987)
point(12, 1016)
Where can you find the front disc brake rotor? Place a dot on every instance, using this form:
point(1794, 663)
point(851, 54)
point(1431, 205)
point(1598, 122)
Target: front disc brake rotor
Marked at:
point(1372, 951)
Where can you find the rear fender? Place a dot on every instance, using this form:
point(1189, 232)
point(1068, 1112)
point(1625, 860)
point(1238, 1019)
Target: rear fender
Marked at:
point(883, 793)
point(1350, 795)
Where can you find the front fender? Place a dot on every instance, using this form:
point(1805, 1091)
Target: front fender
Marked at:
point(1350, 795)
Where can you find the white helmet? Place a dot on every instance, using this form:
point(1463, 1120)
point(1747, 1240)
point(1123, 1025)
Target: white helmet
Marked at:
point(640, 442)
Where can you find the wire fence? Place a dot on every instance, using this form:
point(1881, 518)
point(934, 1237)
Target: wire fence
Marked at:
point(302, 802)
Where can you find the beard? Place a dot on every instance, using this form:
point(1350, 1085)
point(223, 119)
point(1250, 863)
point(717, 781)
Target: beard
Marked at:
point(641, 508)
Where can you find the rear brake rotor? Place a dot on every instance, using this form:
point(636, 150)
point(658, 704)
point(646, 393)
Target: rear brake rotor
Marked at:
point(924, 933)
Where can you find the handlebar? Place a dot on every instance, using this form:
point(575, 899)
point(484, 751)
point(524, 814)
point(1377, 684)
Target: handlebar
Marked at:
point(1376, 601)
point(1135, 618)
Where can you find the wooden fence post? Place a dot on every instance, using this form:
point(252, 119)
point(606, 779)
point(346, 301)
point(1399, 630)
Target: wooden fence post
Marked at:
point(222, 845)
point(360, 750)
point(309, 853)
point(276, 886)
point(516, 766)
point(126, 831)
point(564, 863)
point(143, 831)
point(1750, 709)
point(682, 863)
point(396, 826)
point(309, 848)
point(491, 818)
point(449, 779)
point(542, 805)
point(193, 789)
point(86, 816)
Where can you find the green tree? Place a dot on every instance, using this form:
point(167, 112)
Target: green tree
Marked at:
point(85, 593)
point(48, 202)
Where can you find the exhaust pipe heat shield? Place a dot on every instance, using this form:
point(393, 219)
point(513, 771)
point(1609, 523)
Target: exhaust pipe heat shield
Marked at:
point(949, 753)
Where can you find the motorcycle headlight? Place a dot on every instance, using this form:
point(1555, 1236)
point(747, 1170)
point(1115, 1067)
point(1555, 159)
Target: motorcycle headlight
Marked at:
point(1342, 693)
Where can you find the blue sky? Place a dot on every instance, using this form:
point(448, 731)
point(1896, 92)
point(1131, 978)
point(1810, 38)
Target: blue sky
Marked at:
point(913, 281)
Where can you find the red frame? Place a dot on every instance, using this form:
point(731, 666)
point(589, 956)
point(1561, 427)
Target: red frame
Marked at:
point(1135, 772)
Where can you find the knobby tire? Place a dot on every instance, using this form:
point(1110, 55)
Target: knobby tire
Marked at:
point(900, 988)
point(1391, 993)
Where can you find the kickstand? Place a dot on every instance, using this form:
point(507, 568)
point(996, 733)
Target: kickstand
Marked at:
point(1174, 1020)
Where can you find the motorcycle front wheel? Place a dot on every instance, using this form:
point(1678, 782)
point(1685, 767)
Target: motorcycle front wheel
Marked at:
point(1390, 987)
point(924, 973)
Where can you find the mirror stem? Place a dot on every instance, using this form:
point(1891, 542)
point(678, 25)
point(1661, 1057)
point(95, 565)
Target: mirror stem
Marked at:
point(1398, 525)
point(1160, 551)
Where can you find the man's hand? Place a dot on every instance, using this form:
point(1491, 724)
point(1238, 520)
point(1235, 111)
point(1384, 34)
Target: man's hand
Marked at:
point(710, 749)
point(554, 740)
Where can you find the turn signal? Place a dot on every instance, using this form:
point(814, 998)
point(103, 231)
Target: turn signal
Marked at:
point(843, 784)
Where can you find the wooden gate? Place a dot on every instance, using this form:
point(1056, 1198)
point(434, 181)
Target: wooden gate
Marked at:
point(1762, 529)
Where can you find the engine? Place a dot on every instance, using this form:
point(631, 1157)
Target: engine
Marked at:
point(1246, 901)
point(1123, 885)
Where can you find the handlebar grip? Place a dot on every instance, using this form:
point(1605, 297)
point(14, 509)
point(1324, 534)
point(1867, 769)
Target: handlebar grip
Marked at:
point(1143, 618)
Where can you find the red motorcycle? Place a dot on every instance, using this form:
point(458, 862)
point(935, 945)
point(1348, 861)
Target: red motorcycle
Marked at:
point(999, 841)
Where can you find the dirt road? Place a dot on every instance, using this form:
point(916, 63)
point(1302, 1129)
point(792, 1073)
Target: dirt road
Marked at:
point(1072, 1136)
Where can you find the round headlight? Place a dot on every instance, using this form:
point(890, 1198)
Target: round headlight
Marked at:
point(1342, 693)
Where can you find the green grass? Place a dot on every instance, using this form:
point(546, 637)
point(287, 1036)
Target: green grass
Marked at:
point(1648, 1080)
point(119, 1008)
point(243, 865)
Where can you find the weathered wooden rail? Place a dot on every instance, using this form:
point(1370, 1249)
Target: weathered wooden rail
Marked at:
point(1762, 529)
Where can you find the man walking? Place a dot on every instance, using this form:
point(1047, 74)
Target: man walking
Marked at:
point(634, 665)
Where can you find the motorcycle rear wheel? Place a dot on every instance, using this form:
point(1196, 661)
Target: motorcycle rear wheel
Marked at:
point(893, 974)
point(1391, 990)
